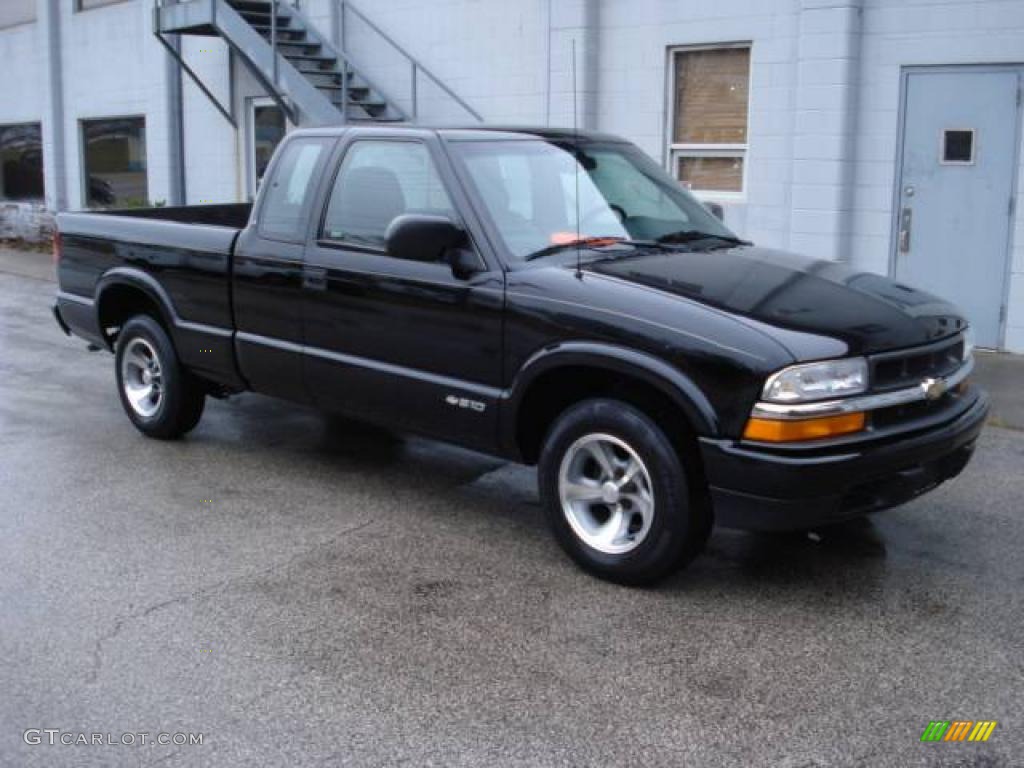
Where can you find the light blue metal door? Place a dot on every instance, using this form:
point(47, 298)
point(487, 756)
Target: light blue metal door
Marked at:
point(955, 188)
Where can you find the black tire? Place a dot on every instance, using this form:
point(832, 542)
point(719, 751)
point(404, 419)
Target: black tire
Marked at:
point(681, 519)
point(180, 404)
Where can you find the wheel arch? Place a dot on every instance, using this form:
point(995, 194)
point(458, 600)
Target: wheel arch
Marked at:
point(123, 292)
point(557, 376)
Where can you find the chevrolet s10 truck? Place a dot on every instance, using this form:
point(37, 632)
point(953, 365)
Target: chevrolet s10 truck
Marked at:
point(550, 297)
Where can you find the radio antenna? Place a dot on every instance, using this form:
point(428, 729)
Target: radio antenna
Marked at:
point(576, 161)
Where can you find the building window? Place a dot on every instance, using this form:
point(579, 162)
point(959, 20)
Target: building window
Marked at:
point(958, 147)
point(710, 93)
point(21, 162)
point(115, 162)
point(85, 5)
point(14, 12)
point(268, 127)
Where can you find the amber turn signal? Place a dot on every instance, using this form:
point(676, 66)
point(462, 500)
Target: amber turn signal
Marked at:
point(779, 431)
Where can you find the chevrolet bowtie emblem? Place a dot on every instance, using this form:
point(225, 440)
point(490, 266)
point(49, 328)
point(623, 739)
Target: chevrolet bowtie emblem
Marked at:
point(933, 388)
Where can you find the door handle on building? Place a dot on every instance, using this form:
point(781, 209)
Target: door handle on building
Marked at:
point(905, 221)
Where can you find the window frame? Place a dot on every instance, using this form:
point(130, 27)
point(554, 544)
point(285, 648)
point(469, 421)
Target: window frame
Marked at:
point(676, 150)
point(83, 146)
point(42, 170)
point(339, 163)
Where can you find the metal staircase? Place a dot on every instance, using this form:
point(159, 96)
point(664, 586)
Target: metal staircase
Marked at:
point(314, 82)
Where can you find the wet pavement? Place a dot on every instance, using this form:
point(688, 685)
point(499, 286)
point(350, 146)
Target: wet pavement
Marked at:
point(304, 591)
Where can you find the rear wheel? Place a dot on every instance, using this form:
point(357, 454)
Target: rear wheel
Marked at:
point(162, 399)
point(617, 496)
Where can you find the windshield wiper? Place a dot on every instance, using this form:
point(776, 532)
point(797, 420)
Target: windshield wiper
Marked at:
point(691, 235)
point(593, 242)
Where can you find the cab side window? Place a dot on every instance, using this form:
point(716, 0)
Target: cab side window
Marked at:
point(377, 182)
point(291, 188)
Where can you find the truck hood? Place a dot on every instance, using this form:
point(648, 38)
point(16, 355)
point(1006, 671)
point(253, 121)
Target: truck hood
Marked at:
point(792, 297)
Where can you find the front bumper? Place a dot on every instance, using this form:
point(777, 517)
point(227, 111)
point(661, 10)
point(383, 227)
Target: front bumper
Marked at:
point(756, 488)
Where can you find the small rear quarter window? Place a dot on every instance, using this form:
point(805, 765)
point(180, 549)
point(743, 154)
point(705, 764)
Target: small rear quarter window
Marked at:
point(291, 185)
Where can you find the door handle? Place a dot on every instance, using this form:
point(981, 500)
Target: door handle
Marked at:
point(905, 221)
point(314, 278)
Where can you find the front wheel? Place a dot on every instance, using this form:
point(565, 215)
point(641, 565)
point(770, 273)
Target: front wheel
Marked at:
point(617, 496)
point(162, 399)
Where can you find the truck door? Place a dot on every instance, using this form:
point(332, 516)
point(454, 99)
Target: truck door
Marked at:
point(406, 343)
point(267, 275)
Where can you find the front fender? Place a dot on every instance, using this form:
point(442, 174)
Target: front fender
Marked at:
point(679, 388)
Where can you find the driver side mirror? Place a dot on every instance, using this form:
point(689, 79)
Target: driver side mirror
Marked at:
point(422, 237)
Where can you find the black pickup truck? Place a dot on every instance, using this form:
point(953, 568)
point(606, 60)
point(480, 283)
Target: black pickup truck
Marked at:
point(545, 296)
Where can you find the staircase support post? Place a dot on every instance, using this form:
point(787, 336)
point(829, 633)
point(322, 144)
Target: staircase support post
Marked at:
point(415, 110)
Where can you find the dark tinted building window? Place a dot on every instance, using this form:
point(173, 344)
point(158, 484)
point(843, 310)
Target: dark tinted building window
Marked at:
point(21, 162)
point(115, 162)
point(268, 129)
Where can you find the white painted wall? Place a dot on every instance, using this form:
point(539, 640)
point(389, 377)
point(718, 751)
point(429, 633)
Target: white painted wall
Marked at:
point(919, 32)
point(211, 144)
point(113, 67)
point(23, 81)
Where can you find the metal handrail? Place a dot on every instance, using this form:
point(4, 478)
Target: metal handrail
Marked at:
point(414, 63)
point(273, 37)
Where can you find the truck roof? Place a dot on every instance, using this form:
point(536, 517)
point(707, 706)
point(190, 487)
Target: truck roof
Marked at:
point(472, 132)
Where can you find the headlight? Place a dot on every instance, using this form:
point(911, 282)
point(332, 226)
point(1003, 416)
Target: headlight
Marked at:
point(968, 343)
point(817, 381)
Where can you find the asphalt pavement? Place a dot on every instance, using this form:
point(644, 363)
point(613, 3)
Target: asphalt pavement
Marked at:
point(304, 591)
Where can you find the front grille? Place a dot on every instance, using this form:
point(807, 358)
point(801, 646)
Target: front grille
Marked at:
point(906, 368)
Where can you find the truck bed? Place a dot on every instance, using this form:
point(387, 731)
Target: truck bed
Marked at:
point(181, 256)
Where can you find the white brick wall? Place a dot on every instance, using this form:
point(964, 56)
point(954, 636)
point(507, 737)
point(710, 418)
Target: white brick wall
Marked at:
point(113, 67)
point(919, 32)
point(211, 155)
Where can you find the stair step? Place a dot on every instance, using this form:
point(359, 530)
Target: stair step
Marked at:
point(282, 34)
point(375, 109)
point(372, 119)
point(250, 5)
point(312, 57)
point(323, 77)
point(359, 91)
point(281, 44)
point(258, 17)
point(368, 104)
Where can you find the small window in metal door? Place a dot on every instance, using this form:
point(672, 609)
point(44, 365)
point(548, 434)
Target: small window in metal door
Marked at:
point(958, 146)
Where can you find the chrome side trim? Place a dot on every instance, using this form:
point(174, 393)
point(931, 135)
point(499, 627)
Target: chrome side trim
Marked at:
point(74, 298)
point(415, 374)
point(795, 411)
point(212, 330)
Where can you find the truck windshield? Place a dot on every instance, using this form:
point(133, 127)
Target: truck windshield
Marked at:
point(530, 188)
